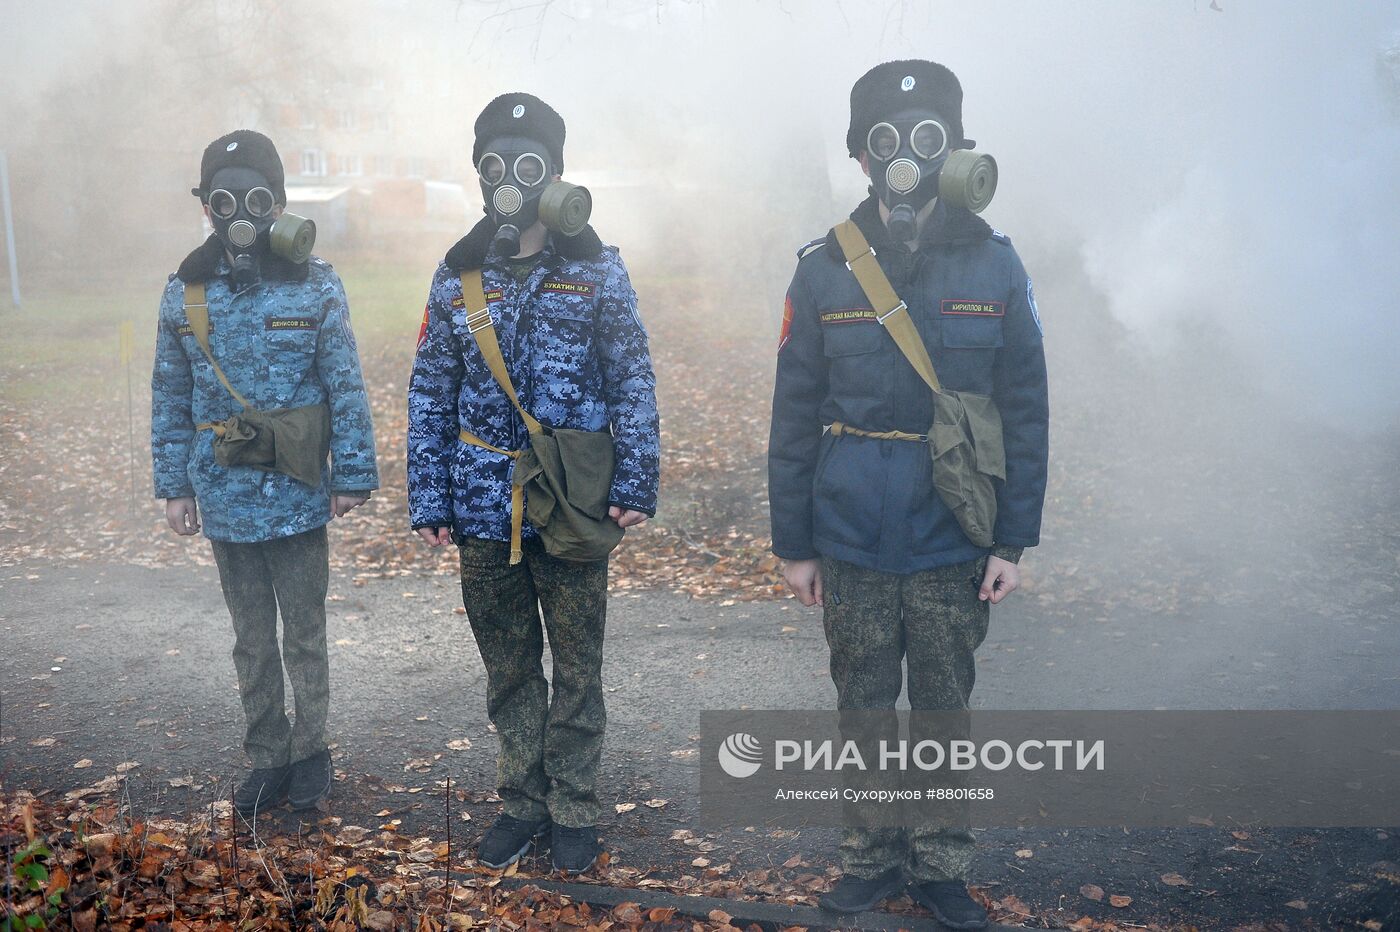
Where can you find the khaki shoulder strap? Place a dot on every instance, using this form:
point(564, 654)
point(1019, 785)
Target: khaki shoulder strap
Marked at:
point(197, 313)
point(483, 331)
point(890, 311)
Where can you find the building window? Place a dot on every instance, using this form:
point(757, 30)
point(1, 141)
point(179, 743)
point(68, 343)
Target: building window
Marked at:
point(308, 118)
point(313, 162)
point(350, 165)
point(345, 119)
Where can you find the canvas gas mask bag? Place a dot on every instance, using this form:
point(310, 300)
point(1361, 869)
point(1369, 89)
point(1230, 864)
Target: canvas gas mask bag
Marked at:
point(567, 473)
point(965, 438)
point(294, 441)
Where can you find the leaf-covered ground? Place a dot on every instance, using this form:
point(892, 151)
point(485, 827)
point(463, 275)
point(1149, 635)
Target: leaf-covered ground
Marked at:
point(1174, 482)
point(1174, 485)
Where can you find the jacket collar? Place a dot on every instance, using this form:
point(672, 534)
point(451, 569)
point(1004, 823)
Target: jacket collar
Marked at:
point(945, 226)
point(209, 261)
point(470, 251)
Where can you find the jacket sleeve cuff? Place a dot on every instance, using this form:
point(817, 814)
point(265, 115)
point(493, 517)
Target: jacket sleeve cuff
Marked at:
point(795, 553)
point(649, 511)
point(1008, 553)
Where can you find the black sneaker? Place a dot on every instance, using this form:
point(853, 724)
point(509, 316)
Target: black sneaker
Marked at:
point(950, 903)
point(575, 850)
point(310, 781)
point(508, 839)
point(856, 894)
point(264, 788)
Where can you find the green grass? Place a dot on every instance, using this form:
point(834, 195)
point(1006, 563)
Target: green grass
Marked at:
point(64, 344)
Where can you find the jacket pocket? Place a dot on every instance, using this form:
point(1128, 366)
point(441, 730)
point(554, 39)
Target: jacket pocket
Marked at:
point(292, 342)
point(971, 332)
point(851, 339)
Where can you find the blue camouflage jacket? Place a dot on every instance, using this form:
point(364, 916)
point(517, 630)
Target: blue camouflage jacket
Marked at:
point(577, 355)
point(872, 502)
point(283, 343)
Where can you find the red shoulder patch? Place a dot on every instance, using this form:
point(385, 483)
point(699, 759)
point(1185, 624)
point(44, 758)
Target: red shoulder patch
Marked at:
point(423, 330)
point(786, 333)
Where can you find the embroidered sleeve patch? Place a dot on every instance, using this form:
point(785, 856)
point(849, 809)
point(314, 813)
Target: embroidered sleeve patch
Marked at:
point(1035, 312)
point(423, 329)
point(565, 287)
point(291, 323)
point(850, 315)
point(974, 308)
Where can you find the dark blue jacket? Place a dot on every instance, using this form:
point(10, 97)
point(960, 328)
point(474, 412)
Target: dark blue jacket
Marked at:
point(872, 502)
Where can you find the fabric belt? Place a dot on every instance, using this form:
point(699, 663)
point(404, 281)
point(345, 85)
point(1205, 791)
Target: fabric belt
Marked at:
point(837, 429)
point(517, 494)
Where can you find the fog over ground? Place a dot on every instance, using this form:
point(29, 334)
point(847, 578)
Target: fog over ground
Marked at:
point(1208, 200)
point(1235, 169)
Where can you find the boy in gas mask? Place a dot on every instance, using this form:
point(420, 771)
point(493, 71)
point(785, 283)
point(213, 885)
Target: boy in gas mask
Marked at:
point(532, 291)
point(856, 513)
point(254, 352)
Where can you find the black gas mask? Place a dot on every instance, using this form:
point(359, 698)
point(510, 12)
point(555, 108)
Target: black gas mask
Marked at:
point(244, 212)
point(911, 162)
point(516, 185)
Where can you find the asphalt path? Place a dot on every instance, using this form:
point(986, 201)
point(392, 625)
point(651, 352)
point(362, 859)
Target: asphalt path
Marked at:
point(120, 664)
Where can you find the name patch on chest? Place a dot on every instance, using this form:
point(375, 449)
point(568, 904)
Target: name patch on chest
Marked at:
point(850, 315)
point(291, 323)
point(586, 289)
point(494, 295)
point(185, 330)
point(958, 308)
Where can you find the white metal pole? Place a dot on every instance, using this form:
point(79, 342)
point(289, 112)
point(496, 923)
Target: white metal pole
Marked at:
point(9, 227)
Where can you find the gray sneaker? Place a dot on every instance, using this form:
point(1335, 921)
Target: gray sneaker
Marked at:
point(262, 789)
point(857, 894)
point(309, 781)
point(508, 839)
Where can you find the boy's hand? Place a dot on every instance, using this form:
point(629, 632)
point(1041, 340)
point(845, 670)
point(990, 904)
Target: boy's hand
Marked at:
point(626, 517)
point(182, 514)
point(341, 504)
point(804, 578)
point(1001, 579)
point(436, 536)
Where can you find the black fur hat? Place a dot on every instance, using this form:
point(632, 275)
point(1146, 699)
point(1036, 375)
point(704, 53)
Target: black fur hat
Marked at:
point(246, 148)
point(897, 85)
point(519, 114)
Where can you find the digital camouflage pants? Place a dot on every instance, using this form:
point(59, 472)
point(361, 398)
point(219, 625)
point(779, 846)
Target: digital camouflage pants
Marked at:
point(550, 743)
point(875, 621)
point(257, 579)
